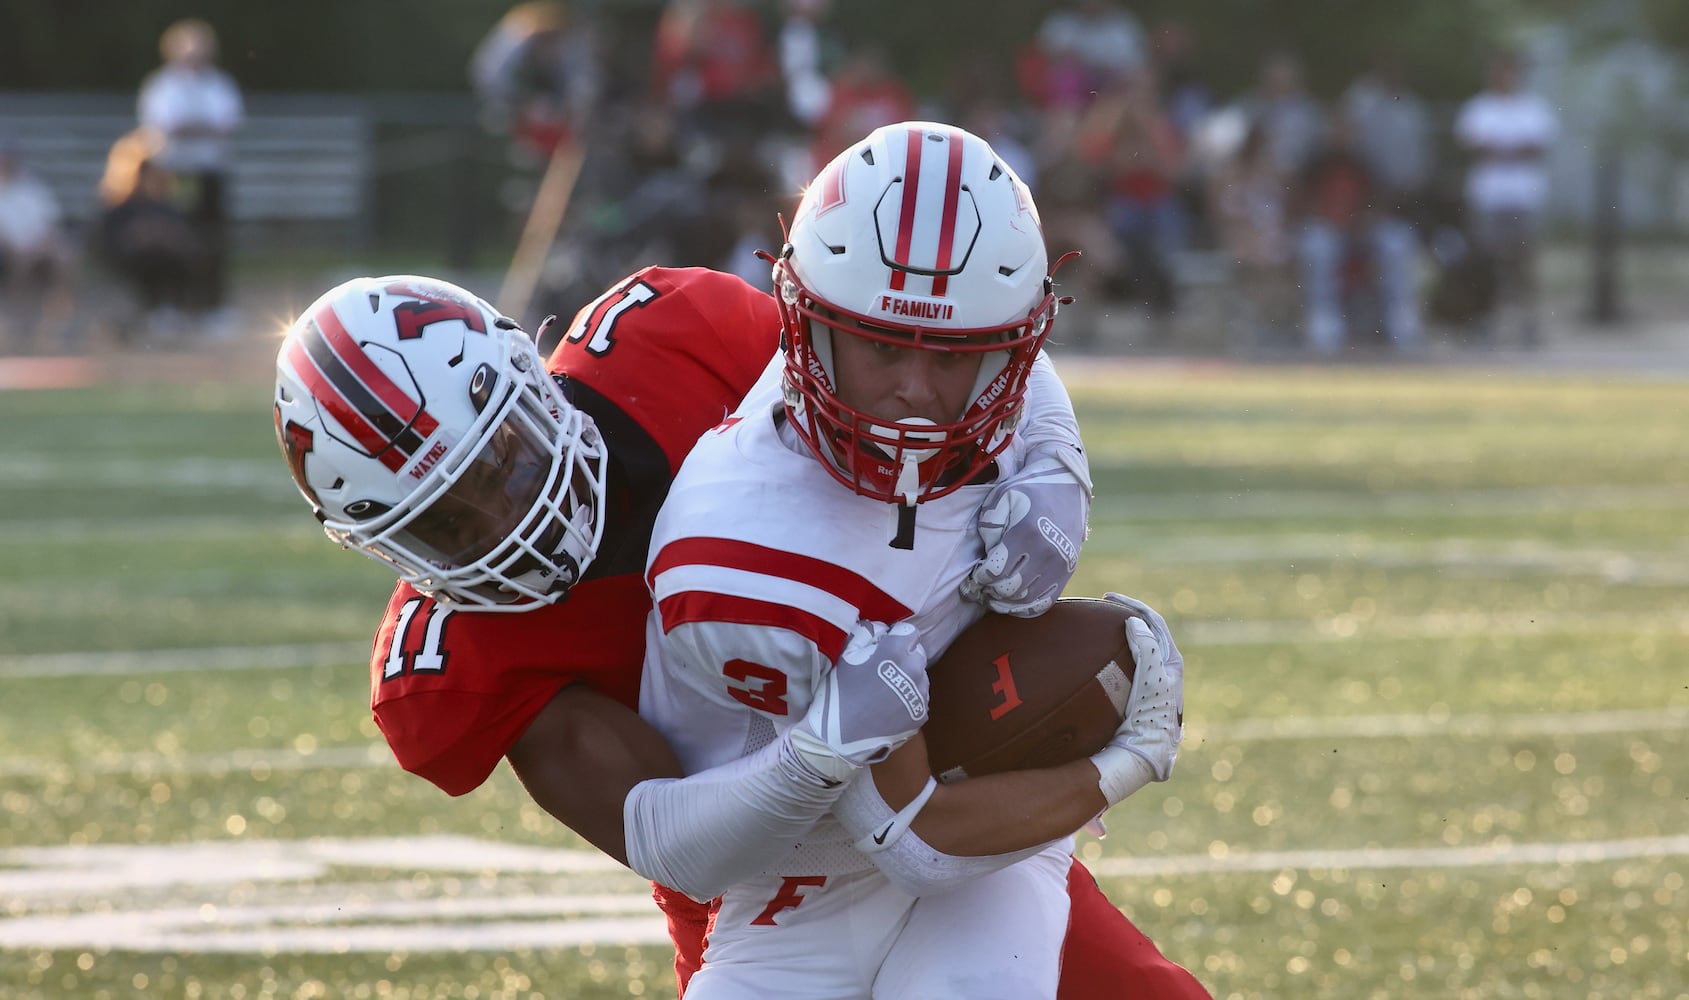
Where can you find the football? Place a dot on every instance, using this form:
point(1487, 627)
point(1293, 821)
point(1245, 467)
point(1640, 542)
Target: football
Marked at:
point(1013, 693)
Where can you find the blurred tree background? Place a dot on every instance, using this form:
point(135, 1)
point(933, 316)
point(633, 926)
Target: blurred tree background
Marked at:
point(424, 45)
point(407, 64)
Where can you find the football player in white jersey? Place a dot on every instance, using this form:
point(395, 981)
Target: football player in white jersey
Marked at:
point(916, 294)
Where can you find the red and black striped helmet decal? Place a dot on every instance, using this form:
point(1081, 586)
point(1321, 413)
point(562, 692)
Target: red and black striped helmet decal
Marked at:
point(380, 416)
point(909, 212)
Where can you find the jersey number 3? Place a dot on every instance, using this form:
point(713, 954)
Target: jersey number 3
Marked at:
point(756, 686)
point(596, 324)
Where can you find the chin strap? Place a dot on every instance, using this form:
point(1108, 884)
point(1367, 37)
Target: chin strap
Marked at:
point(909, 488)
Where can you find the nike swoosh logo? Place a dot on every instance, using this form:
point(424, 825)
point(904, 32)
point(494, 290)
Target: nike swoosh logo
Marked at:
point(880, 838)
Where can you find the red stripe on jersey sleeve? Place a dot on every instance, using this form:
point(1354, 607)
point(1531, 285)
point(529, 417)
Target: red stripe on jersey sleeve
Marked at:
point(696, 606)
point(870, 601)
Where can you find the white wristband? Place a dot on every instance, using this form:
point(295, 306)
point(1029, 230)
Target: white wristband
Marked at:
point(888, 834)
point(1120, 772)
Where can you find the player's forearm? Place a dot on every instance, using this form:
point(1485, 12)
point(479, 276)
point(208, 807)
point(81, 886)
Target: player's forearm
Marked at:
point(995, 813)
point(977, 827)
point(1009, 812)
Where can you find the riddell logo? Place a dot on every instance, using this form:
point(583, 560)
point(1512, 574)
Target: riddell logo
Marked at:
point(894, 306)
point(995, 389)
point(429, 460)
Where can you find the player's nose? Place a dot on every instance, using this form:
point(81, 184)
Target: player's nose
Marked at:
point(916, 384)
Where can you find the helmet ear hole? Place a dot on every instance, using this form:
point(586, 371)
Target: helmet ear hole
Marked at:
point(364, 510)
point(481, 385)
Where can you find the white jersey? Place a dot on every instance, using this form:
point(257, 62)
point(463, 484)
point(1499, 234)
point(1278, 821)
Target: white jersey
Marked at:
point(761, 564)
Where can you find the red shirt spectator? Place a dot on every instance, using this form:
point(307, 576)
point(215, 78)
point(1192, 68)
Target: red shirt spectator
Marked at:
point(710, 52)
point(865, 95)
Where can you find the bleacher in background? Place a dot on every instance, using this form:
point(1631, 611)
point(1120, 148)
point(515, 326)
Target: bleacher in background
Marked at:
point(298, 160)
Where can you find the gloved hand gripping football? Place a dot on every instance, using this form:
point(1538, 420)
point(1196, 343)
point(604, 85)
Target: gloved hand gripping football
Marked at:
point(1146, 745)
point(869, 704)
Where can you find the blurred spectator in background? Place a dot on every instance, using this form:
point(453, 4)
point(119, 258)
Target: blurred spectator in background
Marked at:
point(197, 108)
point(1293, 120)
point(1508, 131)
point(712, 65)
point(1138, 153)
point(1392, 132)
point(864, 95)
point(1248, 199)
point(809, 54)
point(144, 237)
point(1356, 260)
point(993, 119)
point(1185, 95)
point(35, 256)
point(538, 76)
point(1188, 102)
point(1086, 45)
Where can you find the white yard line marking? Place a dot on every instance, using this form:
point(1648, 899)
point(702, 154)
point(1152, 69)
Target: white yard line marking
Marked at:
point(1265, 504)
point(1349, 628)
point(1478, 855)
point(1440, 724)
point(159, 661)
point(199, 897)
point(150, 764)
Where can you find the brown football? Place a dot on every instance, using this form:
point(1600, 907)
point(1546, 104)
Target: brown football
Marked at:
point(1013, 693)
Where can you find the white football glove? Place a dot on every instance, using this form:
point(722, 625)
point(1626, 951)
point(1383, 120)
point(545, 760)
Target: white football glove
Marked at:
point(1032, 525)
point(869, 704)
point(1146, 745)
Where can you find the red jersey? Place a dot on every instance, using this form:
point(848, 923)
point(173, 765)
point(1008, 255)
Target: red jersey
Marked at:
point(656, 361)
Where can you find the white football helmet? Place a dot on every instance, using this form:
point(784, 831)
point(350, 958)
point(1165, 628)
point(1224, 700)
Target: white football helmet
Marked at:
point(918, 236)
point(426, 433)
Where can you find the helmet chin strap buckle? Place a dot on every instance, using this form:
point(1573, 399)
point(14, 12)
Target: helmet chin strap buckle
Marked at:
point(908, 432)
point(909, 479)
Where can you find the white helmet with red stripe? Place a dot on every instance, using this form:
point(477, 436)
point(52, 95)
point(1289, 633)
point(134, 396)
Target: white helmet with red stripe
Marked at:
point(918, 236)
point(426, 433)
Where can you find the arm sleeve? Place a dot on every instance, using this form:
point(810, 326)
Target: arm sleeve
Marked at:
point(702, 833)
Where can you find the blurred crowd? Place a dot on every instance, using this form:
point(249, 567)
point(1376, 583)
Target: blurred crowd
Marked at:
point(161, 229)
point(1359, 219)
point(1331, 221)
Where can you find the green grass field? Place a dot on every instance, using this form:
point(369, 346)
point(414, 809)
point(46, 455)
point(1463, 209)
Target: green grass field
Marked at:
point(1436, 626)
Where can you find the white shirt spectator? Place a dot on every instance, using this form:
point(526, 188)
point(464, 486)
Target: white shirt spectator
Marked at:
point(198, 111)
point(29, 214)
point(1496, 125)
point(1392, 130)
